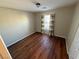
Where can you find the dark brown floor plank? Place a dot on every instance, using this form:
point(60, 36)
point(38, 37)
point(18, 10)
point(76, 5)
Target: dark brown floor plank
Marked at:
point(39, 46)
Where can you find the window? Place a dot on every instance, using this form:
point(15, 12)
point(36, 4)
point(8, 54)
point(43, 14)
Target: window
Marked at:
point(47, 24)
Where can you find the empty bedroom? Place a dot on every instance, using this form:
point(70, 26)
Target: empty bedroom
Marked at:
point(39, 29)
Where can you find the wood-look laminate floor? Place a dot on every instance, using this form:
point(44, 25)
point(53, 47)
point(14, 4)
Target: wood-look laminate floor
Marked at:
point(39, 46)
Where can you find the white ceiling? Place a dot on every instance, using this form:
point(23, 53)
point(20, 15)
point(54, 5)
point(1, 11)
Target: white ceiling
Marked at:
point(28, 5)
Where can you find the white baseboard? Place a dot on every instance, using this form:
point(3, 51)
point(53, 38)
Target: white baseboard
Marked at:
point(67, 47)
point(61, 36)
point(19, 40)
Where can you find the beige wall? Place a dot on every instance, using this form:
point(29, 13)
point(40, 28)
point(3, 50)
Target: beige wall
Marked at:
point(38, 22)
point(15, 25)
point(74, 26)
point(62, 21)
point(72, 33)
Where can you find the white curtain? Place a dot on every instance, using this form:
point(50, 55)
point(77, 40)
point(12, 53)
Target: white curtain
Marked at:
point(47, 24)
